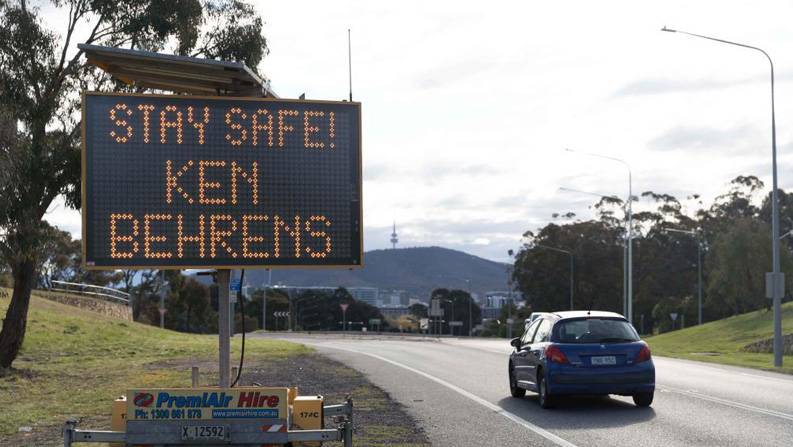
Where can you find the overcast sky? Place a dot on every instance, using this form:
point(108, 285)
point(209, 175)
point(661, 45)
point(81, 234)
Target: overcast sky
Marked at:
point(467, 106)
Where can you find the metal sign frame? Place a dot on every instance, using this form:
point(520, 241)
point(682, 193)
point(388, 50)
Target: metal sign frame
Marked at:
point(243, 432)
point(262, 262)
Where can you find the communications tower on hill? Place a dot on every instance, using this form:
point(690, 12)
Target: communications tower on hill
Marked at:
point(394, 238)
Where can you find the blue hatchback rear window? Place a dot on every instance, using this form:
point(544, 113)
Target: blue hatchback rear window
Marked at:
point(594, 330)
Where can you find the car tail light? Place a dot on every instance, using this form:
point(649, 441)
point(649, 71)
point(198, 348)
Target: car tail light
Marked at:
point(644, 354)
point(554, 354)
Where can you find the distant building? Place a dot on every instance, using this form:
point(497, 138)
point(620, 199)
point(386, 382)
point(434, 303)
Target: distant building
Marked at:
point(412, 301)
point(492, 302)
point(369, 295)
point(300, 289)
point(393, 297)
point(394, 311)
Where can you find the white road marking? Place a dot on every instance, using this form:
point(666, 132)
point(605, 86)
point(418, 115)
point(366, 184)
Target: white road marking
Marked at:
point(490, 406)
point(728, 369)
point(775, 379)
point(728, 403)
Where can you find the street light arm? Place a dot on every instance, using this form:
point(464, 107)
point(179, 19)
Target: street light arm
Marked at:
point(619, 160)
point(562, 188)
point(669, 30)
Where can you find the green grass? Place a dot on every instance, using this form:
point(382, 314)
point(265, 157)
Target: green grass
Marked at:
point(73, 363)
point(721, 341)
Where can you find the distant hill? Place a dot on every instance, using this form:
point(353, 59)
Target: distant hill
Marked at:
point(417, 270)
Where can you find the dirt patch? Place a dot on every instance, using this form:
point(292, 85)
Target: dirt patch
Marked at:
point(109, 308)
point(378, 420)
point(767, 345)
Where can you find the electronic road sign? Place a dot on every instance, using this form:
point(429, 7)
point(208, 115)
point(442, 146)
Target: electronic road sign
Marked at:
point(197, 182)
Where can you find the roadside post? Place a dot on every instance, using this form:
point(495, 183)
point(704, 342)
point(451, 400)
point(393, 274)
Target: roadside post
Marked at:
point(161, 292)
point(673, 316)
point(224, 328)
point(178, 182)
point(437, 312)
point(344, 307)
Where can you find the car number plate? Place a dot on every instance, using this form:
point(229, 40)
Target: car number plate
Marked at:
point(604, 360)
point(205, 433)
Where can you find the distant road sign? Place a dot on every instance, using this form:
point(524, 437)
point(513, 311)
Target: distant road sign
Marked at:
point(673, 316)
point(280, 314)
point(773, 282)
point(196, 182)
point(235, 285)
point(455, 323)
point(344, 307)
point(374, 322)
point(424, 323)
point(435, 309)
point(510, 321)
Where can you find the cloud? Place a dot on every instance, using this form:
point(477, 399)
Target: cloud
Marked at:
point(429, 173)
point(657, 86)
point(445, 75)
point(660, 86)
point(376, 171)
point(731, 140)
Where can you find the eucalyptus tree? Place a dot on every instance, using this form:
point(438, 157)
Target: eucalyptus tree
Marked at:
point(41, 76)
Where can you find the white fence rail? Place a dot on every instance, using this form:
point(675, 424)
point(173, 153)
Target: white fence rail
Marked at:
point(107, 293)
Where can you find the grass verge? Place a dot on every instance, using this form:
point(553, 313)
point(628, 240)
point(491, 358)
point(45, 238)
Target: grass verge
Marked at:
point(74, 362)
point(721, 341)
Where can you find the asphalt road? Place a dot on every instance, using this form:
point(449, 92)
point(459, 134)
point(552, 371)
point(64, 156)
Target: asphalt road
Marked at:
point(457, 389)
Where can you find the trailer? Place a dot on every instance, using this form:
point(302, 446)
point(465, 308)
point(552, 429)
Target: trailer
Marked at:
point(249, 416)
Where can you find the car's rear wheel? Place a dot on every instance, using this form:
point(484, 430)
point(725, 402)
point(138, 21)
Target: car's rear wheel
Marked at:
point(542, 392)
point(643, 399)
point(514, 389)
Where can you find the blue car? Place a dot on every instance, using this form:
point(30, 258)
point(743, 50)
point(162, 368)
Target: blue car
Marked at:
point(581, 352)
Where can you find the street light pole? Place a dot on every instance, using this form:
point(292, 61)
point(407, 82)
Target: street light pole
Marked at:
point(776, 279)
point(629, 274)
point(699, 281)
point(509, 298)
point(470, 308)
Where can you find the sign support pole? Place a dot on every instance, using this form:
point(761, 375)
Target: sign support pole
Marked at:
point(224, 328)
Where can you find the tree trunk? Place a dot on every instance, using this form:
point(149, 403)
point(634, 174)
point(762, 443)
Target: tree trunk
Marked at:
point(15, 322)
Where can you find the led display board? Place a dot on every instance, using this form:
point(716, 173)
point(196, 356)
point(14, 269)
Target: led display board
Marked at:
point(197, 182)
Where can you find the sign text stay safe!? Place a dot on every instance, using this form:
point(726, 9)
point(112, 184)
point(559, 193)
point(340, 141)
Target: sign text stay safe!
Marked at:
point(184, 181)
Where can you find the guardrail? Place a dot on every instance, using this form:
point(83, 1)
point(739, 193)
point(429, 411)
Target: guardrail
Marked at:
point(108, 293)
